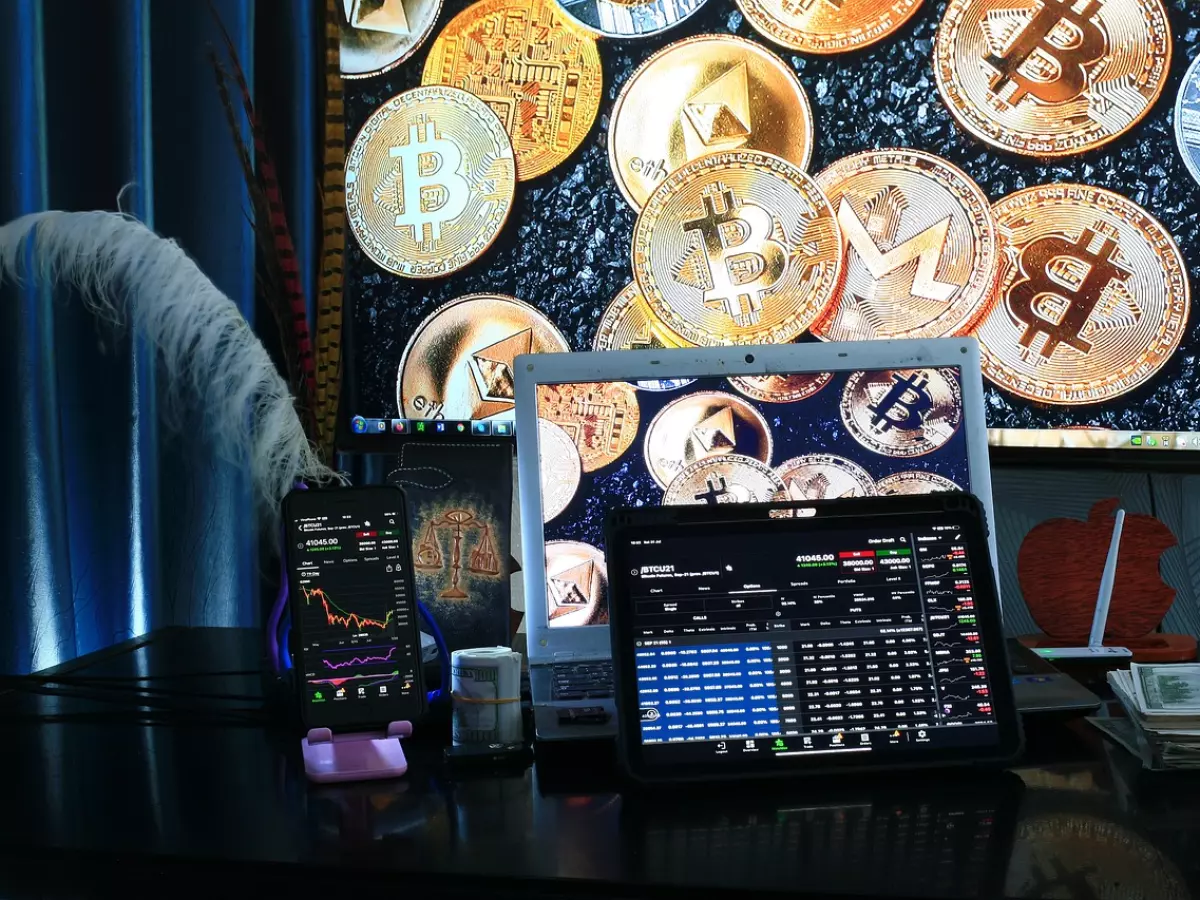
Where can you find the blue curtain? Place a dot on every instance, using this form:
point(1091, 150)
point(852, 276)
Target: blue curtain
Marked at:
point(116, 524)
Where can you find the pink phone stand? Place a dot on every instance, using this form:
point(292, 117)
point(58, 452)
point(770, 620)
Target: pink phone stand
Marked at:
point(355, 757)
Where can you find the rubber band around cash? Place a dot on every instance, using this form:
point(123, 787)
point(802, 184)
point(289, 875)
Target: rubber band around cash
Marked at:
point(459, 698)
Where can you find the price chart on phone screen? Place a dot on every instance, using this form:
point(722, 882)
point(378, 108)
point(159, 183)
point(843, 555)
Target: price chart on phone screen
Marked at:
point(356, 649)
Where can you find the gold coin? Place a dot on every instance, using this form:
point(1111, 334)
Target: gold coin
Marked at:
point(700, 95)
point(1094, 296)
point(780, 388)
point(737, 247)
point(827, 26)
point(560, 468)
point(921, 252)
point(723, 479)
point(375, 36)
point(537, 72)
point(601, 418)
point(823, 476)
point(429, 182)
point(1054, 77)
point(576, 585)
point(915, 482)
point(630, 324)
point(459, 362)
point(906, 413)
point(701, 425)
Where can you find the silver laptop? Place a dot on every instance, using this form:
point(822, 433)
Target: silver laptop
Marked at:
point(730, 424)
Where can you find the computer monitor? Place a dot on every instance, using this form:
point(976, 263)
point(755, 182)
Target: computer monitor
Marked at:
point(597, 431)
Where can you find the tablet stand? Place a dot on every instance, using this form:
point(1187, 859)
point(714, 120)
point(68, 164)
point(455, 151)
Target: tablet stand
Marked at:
point(362, 756)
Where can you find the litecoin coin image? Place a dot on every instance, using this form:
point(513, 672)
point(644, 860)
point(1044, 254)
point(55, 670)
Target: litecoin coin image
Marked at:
point(827, 26)
point(601, 418)
point(723, 479)
point(701, 425)
point(700, 95)
point(628, 18)
point(780, 388)
point(1187, 119)
point(375, 36)
point(1051, 77)
point(459, 362)
point(628, 324)
point(921, 251)
point(560, 468)
point(823, 476)
point(737, 247)
point(1093, 292)
point(537, 73)
point(914, 483)
point(903, 413)
point(576, 584)
point(429, 182)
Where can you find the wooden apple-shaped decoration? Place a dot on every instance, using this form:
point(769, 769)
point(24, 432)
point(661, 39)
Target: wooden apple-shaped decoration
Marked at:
point(1060, 564)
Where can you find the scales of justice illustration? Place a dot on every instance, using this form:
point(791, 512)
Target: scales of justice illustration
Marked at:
point(460, 523)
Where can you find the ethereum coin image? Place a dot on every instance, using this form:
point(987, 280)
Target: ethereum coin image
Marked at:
point(823, 476)
point(628, 18)
point(629, 324)
point(700, 425)
point(723, 479)
point(576, 584)
point(915, 482)
point(459, 362)
point(375, 36)
point(902, 413)
point(560, 468)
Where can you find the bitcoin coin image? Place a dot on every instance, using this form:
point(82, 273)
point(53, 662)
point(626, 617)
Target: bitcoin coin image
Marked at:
point(429, 182)
point(827, 26)
point(700, 425)
point(1094, 296)
point(902, 413)
point(921, 252)
point(628, 18)
point(459, 361)
point(1051, 77)
point(576, 585)
point(560, 468)
point(628, 324)
point(700, 95)
point(737, 247)
point(823, 476)
point(375, 36)
point(916, 482)
point(780, 388)
point(1187, 119)
point(601, 418)
point(537, 73)
point(723, 479)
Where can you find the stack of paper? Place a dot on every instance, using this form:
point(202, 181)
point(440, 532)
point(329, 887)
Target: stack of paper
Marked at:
point(1163, 705)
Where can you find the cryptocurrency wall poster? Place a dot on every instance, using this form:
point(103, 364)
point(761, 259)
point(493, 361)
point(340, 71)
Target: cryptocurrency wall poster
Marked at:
point(714, 172)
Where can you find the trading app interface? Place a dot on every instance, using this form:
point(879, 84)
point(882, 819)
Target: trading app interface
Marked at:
point(792, 436)
point(358, 647)
point(772, 643)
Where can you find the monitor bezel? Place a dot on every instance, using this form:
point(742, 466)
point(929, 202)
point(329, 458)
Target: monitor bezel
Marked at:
point(592, 641)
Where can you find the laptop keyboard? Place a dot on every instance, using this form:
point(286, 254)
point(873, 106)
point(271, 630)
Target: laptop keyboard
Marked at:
point(583, 680)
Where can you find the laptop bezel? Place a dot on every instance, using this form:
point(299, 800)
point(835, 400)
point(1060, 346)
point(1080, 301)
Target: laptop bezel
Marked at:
point(546, 644)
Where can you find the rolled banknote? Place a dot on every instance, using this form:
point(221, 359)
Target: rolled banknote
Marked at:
point(486, 687)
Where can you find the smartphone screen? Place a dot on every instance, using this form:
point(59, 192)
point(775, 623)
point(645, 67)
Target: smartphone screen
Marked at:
point(353, 610)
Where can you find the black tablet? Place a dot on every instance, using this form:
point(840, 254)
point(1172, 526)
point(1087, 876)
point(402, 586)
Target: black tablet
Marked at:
point(802, 638)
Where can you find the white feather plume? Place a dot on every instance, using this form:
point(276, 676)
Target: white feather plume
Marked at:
point(129, 275)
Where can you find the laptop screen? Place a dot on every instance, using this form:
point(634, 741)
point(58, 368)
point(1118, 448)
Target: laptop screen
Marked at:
point(801, 436)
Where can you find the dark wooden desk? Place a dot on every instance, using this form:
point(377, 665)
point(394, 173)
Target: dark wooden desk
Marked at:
point(99, 807)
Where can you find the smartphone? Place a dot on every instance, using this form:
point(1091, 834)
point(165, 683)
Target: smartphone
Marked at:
point(355, 641)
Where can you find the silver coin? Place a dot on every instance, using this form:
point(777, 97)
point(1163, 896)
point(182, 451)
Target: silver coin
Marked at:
point(628, 18)
point(1187, 119)
point(664, 384)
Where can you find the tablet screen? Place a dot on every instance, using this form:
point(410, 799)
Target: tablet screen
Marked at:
point(771, 643)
